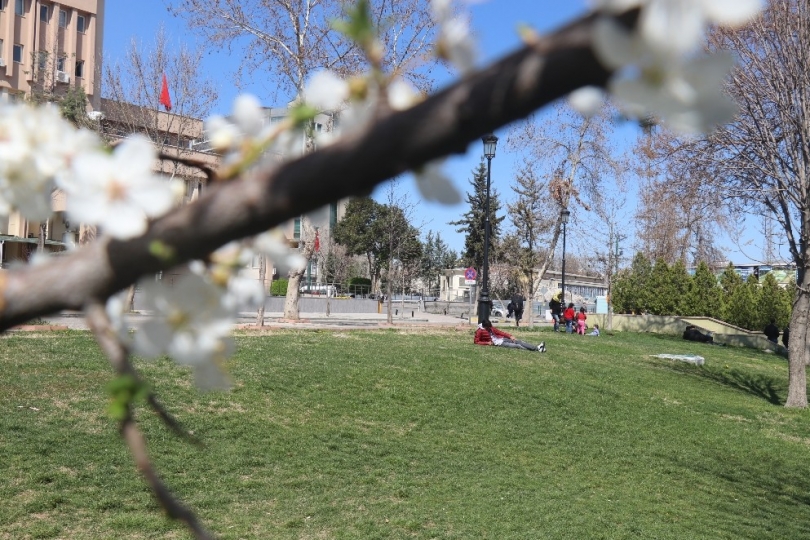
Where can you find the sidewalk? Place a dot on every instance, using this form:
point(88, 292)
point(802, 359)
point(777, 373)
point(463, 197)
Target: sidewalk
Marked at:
point(275, 320)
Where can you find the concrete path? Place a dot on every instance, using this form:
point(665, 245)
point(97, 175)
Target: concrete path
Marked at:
point(246, 321)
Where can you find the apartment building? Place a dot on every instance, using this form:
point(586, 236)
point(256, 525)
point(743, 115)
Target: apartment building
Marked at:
point(50, 46)
point(47, 47)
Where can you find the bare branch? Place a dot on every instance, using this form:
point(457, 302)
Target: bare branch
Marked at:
point(119, 358)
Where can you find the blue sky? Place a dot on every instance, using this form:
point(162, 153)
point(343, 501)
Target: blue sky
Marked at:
point(494, 23)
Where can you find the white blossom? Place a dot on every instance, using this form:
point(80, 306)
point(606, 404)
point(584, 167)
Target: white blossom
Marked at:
point(191, 323)
point(402, 96)
point(657, 70)
point(587, 100)
point(247, 124)
point(37, 145)
point(274, 245)
point(118, 191)
point(455, 42)
point(434, 185)
point(326, 91)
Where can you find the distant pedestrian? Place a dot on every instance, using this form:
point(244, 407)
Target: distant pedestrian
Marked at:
point(568, 317)
point(581, 317)
point(786, 336)
point(510, 309)
point(517, 302)
point(556, 311)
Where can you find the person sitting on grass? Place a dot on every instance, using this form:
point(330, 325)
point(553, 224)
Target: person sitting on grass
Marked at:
point(595, 331)
point(486, 334)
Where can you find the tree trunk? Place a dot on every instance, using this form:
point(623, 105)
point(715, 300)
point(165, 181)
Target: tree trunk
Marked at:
point(390, 318)
point(798, 346)
point(291, 301)
point(43, 233)
point(129, 303)
point(262, 277)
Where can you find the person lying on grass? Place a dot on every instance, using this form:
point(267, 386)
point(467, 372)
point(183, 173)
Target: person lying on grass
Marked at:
point(486, 334)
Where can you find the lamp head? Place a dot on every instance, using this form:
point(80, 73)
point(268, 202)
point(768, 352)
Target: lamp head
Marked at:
point(490, 142)
point(564, 215)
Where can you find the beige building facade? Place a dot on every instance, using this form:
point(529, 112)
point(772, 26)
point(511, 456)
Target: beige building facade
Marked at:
point(51, 46)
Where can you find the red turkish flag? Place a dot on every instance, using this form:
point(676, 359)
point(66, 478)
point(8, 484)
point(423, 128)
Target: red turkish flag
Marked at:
point(317, 242)
point(165, 98)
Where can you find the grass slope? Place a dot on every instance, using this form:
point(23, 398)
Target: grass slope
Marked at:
point(414, 435)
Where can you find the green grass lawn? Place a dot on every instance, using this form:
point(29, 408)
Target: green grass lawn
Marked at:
point(388, 434)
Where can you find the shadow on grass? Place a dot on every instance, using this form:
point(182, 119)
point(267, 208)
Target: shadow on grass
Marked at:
point(761, 386)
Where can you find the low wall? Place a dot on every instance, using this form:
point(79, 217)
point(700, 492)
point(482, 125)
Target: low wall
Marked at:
point(723, 332)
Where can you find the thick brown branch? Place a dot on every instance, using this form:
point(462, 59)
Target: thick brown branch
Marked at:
point(446, 123)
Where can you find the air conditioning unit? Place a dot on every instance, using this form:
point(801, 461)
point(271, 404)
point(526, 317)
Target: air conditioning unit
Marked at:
point(2, 63)
point(62, 77)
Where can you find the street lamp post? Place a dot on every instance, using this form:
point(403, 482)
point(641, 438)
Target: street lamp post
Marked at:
point(564, 215)
point(484, 303)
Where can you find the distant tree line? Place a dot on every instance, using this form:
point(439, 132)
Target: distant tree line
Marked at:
point(663, 289)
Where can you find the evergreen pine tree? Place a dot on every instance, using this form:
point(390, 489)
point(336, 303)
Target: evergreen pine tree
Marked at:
point(704, 297)
point(769, 304)
point(742, 304)
point(662, 302)
point(473, 221)
point(730, 280)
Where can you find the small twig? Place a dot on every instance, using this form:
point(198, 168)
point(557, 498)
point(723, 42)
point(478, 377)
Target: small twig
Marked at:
point(119, 358)
point(100, 325)
point(210, 172)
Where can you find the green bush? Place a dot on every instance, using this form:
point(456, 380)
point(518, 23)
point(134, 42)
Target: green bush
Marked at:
point(279, 287)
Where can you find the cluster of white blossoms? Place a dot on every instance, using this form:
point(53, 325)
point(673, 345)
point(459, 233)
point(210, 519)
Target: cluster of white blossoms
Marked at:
point(660, 68)
point(191, 319)
point(37, 148)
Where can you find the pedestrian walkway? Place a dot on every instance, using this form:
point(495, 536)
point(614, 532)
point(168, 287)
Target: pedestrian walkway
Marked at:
point(275, 320)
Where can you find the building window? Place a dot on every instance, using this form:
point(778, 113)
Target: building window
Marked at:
point(60, 63)
point(63, 18)
point(42, 59)
point(18, 53)
point(297, 229)
point(81, 24)
point(43, 13)
point(79, 68)
point(19, 7)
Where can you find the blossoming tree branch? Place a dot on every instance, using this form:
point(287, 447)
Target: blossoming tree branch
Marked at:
point(646, 55)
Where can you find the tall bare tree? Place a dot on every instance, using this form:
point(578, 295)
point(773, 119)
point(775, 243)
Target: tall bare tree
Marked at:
point(131, 104)
point(574, 154)
point(761, 161)
point(285, 41)
point(132, 89)
point(534, 215)
point(678, 212)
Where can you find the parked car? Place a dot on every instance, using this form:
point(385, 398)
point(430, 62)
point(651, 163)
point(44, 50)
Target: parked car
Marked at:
point(498, 310)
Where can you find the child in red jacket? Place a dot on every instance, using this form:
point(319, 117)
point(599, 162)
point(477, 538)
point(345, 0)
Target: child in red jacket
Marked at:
point(569, 315)
point(486, 334)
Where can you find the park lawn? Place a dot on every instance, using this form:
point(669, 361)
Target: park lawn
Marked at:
point(414, 434)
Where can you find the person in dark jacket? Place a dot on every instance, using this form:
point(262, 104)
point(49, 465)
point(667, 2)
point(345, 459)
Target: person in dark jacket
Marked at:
point(786, 336)
point(517, 302)
point(772, 332)
point(556, 311)
point(693, 334)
